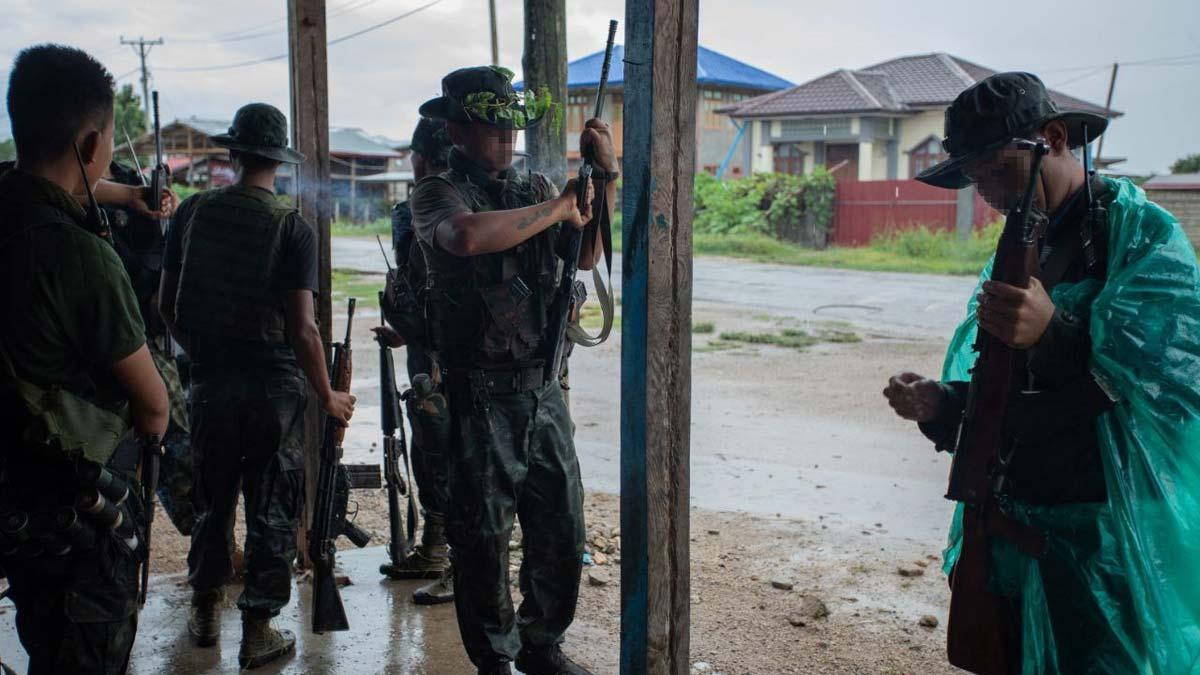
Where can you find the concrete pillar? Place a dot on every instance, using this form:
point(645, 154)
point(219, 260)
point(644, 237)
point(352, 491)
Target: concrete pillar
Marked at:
point(866, 154)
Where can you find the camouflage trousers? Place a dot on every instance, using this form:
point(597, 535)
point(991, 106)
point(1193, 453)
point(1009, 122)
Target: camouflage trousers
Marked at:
point(248, 432)
point(78, 613)
point(430, 421)
point(514, 458)
point(175, 468)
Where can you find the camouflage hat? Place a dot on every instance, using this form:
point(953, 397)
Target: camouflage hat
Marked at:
point(259, 129)
point(432, 141)
point(485, 94)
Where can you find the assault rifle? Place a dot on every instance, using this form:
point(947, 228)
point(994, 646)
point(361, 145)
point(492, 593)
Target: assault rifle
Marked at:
point(560, 314)
point(395, 457)
point(333, 492)
point(159, 175)
point(152, 451)
point(983, 635)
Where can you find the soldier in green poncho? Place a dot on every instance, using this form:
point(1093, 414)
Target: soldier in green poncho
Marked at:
point(1104, 436)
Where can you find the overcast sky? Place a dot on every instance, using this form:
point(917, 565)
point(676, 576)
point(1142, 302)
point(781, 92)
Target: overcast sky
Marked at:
point(376, 81)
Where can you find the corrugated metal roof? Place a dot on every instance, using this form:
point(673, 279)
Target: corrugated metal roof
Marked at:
point(1174, 181)
point(900, 85)
point(346, 141)
point(712, 68)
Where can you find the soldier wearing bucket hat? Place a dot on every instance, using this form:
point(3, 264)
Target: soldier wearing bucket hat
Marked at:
point(239, 278)
point(1059, 425)
point(490, 239)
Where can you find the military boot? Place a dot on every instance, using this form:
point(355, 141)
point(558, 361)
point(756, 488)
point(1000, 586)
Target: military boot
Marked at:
point(262, 644)
point(548, 661)
point(438, 592)
point(429, 558)
point(204, 623)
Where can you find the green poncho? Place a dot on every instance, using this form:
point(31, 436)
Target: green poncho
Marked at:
point(1119, 590)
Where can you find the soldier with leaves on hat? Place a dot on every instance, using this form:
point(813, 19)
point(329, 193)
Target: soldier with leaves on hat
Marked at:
point(237, 293)
point(75, 373)
point(490, 238)
point(1102, 432)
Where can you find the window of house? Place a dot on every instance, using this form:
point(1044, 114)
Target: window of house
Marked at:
point(709, 102)
point(816, 127)
point(925, 155)
point(577, 112)
point(789, 158)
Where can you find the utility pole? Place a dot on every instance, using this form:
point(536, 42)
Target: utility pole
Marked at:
point(1112, 83)
point(495, 40)
point(142, 48)
point(545, 65)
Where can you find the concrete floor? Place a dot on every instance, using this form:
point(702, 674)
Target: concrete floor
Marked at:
point(388, 634)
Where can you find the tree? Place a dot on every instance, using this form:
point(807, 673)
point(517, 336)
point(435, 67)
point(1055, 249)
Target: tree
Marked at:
point(1189, 164)
point(8, 150)
point(129, 116)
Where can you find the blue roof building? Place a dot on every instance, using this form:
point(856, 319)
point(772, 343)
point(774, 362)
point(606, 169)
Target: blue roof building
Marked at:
point(721, 81)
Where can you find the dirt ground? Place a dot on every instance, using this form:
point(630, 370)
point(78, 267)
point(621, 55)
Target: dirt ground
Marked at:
point(770, 594)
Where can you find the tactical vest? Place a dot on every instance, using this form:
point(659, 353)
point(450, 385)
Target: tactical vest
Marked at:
point(227, 282)
point(491, 310)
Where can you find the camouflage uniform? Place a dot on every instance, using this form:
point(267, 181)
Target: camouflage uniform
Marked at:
point(511, 453)
point(77, 612)
point(237, 251)
point(140, 242)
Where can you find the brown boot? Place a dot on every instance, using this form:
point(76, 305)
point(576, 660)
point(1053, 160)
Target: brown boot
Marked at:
point(428, 559)
point(438, 592)
point(262, 644)
point(204, 623)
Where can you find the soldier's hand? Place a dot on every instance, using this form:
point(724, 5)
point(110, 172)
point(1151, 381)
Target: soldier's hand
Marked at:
point(165, 208)
point(340, 406)
point(597, 137)
point(388, 337)
point(1017, 316)
point(914, 397)
point(570, 205)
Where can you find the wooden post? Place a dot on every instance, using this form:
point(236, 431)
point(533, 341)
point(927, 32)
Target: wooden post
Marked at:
point(353, 189)
point(545, 65)
point(310, 135)
point(659, 167)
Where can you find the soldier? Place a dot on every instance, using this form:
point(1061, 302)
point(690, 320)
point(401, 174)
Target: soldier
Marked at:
point(74, 369)
point(490, 241)
point(1107, 400)
point(237, 294)
point(430, 559)
point(139, 241)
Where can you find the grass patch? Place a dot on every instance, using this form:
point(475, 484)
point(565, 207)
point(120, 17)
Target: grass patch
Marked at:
point(349, 228)
point(715, 346)
point(704, 328)
point(789, 338)
point(364, 287)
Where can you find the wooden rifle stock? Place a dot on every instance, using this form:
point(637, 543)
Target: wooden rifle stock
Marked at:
point(328, 612)
point(983, 635)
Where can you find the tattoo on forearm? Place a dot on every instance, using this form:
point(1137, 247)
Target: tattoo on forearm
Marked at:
point(543, 212)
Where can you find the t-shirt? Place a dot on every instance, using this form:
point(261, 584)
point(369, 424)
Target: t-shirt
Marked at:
point(70, 312)
point(296, 270)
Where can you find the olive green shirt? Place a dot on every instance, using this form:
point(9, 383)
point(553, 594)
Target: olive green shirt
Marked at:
point(69, 311)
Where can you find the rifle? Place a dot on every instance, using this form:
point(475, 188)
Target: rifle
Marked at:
point(158, 177)
point(395, 455)
point(152, 451)
point(983, 635)
point(333, 492)
point(563, 298)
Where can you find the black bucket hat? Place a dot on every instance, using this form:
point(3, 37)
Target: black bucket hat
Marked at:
point(485, 94)
point(259, 129)
point(432, 141)
point(991, 113)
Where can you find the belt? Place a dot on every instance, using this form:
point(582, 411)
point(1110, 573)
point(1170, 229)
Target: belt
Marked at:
point(500, 380)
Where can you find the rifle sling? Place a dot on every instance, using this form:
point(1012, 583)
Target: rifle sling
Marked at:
point(576, 332)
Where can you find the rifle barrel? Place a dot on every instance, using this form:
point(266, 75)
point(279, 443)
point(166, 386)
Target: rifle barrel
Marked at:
point(608, 53)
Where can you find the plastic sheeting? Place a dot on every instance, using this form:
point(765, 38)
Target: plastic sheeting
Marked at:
point(1119, 590)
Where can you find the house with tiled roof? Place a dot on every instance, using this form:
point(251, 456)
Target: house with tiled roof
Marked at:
point(721, 80)
point(882, 122)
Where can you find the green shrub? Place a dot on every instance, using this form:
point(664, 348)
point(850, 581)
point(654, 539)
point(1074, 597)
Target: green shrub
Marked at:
point(783, 206)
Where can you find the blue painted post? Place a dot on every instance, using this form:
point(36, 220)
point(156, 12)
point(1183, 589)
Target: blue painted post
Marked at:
point(741, 131)
point(659, 170)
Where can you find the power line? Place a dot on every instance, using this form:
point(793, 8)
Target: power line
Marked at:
point(249, 34)
point(278, 57)
point(1164, 60)
point(143, 46)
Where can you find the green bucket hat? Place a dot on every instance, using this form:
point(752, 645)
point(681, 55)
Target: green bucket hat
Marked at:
point(485, 94)
point(993, 112)
point(259, 129)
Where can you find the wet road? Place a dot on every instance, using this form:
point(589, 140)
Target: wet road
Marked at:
point(913, 304)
